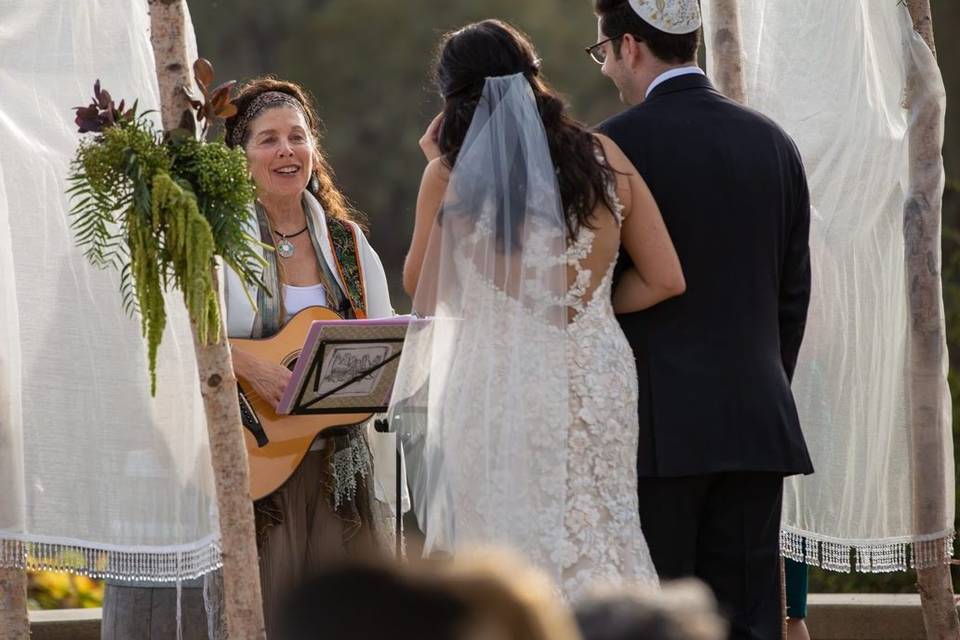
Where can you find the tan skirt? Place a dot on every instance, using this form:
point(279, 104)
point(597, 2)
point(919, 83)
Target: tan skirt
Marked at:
point(299, 531)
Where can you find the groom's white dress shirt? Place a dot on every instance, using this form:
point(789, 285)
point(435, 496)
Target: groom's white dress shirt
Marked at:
point(673, 73)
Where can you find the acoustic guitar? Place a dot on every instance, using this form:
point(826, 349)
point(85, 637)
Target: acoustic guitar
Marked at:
point(276, 445)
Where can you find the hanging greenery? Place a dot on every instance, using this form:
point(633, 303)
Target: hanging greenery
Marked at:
point(160, 207)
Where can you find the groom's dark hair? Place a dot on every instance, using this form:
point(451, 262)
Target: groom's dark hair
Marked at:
point(617, 18)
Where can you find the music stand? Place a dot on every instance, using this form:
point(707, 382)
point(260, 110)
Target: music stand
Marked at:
point(349, 366)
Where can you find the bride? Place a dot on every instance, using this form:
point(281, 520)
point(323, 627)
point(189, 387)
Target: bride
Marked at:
point(517, 391)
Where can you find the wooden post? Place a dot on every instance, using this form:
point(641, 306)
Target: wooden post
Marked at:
point(14, 622)
point(243, 603)
point(726, 47)
point(922, 228)
point(923, 23)
point(168, 36)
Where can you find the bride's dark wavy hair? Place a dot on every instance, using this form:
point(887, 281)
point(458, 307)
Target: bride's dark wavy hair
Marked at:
point(466, 58)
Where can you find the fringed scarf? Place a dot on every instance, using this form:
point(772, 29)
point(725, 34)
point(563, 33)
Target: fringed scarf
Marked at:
point(350, 462)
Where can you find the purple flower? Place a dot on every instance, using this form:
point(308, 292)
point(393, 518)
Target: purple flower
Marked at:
point(102, 113)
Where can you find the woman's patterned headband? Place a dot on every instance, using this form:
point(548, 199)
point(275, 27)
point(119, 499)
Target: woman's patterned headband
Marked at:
point(263, 101)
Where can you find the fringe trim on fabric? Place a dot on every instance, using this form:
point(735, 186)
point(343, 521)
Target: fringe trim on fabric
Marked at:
point(866, 557)
point(163, 566)
point(350, 464)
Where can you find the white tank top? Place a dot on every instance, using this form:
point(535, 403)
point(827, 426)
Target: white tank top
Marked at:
point(296, 299)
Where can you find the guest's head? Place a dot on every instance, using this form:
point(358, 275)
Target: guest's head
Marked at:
point(278, 128)
point(682, 610)
point(356, 602)
point(476, 597)
point(492, 48)
point(634, 51)
point(508, 599)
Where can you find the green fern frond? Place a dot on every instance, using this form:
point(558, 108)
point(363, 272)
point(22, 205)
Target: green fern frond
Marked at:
point(159, 211)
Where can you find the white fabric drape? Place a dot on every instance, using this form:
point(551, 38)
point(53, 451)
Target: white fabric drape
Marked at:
point(97, 477)
point(834, 75)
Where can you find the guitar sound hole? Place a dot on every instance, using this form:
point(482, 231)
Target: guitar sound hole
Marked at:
point(291, 360)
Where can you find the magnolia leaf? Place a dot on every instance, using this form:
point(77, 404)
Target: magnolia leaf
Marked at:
point(220, 97)
point(227, 111)
point(224, 88)
point(203, 71)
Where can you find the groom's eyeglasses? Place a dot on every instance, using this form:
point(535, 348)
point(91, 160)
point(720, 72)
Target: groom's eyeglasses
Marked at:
point(597, 52)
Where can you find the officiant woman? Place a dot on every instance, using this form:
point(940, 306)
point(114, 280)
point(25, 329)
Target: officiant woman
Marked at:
point(333, 505)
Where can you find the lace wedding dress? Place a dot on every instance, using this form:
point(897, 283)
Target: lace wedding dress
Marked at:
point(600, 541)
point(602, 538)
point(516, 395)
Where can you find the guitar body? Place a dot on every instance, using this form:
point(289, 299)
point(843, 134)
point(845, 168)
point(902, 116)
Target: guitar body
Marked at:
point(287, 438)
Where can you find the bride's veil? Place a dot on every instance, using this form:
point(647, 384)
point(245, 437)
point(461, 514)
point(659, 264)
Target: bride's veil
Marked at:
point(481, 399)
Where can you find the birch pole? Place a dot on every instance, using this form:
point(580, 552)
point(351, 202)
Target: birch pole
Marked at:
point(922, 229)
point(14, 621)
point(726, 47)
point(241, 579)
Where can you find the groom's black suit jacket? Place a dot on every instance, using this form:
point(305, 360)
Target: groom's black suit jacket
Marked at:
point(715, 363)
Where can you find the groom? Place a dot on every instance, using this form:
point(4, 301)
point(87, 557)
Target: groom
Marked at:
point(718, 425)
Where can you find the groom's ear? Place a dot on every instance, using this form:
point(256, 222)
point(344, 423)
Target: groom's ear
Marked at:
point(630, 50)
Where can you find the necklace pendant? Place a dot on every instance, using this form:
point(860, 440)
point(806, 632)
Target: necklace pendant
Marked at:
point(285, 248)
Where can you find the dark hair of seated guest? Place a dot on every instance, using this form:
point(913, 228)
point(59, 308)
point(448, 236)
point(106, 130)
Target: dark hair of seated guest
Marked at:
point(370, 603)
point(682, 610)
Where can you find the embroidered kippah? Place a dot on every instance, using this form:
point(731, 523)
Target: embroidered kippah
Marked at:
point(670, 16)
point(261, 102)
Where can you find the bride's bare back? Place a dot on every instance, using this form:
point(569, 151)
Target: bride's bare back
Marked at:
point(638, 227)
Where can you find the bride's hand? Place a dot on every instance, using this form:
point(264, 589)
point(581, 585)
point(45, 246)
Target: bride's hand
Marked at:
point(428, 142)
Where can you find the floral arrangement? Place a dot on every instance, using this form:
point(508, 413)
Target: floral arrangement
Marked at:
point(159, 206)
